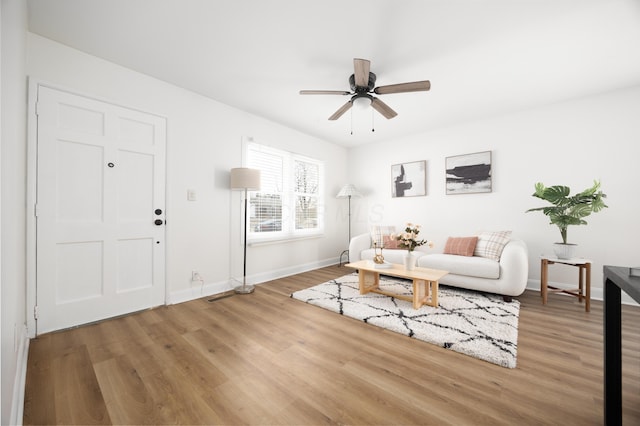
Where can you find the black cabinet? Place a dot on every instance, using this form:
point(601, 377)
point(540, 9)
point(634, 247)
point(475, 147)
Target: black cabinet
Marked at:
point(616, 278)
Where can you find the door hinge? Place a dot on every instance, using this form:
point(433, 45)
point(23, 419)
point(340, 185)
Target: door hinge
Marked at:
point(37, 108)
point(35, 210)
point(35, 312)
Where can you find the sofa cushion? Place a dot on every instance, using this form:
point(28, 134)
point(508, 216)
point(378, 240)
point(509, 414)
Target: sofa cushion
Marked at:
point(491, 244)
point(471, 266)
point(378, 232)
point(461, 246)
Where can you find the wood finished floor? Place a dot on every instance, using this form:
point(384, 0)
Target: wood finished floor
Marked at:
point(265, 358)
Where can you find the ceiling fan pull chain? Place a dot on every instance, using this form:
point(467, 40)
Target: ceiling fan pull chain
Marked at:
point(373, 127)
point(352, 122)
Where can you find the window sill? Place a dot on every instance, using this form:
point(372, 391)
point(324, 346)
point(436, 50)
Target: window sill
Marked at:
point(282, 239)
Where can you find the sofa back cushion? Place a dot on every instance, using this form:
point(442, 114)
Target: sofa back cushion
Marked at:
point(461, 246)
point(468, 266)
point(491, 244)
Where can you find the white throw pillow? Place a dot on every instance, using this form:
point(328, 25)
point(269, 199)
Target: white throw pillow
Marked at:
point(491, 244)
point(378, 232)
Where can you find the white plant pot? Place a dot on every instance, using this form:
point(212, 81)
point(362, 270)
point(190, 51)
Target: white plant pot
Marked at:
point(409, 261)
point(564, 251)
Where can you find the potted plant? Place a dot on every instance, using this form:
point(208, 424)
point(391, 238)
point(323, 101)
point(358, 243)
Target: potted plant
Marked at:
point(566, 210)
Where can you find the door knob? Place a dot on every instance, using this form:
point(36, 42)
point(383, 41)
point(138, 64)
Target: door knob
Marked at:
point(158, 222)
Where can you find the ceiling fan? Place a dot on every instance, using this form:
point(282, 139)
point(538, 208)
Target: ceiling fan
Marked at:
point(362, 83)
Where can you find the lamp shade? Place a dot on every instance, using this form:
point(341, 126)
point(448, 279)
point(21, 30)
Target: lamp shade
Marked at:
point(245, 178)
point(349, 190)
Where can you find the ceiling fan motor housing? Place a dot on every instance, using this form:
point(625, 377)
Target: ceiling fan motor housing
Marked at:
point(357, 89)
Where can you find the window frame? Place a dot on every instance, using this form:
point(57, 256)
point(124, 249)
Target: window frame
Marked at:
point(288, 195)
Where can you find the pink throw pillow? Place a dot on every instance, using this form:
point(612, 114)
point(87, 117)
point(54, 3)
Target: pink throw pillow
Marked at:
point(461, 246)
point(389, 243)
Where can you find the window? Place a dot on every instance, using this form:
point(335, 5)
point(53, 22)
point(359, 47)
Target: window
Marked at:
point(289, 203)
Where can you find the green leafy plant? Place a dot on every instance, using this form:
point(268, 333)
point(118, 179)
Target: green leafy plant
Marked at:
point(569, 209)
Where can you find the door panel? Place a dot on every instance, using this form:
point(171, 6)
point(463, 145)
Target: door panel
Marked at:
point(135, 186)
point(81, 119)
point(79, 274)
point(101, 176)
point(79, 182)
point(131, 254)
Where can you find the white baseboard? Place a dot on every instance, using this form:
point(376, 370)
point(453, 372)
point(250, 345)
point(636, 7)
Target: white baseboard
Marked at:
point(596, 293)
point(209, 289)
point(285, 272)
point(198, 291)
point(17, 402)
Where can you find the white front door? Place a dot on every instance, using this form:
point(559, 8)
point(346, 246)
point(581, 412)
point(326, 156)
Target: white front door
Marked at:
point(100, 210)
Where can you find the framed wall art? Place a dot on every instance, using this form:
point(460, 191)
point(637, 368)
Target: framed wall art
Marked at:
point(469, 173)
point(409, 179)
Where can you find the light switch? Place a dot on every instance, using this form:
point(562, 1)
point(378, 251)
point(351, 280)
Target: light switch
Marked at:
point(191, 194)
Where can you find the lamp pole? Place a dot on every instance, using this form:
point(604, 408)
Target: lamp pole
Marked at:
point(349, 218)
point(348, 191)
point(245, 179)
point(244, 268)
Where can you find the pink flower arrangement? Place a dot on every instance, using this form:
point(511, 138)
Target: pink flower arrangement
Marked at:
point(409, 238)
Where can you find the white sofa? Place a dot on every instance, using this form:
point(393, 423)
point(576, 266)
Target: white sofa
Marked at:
point(507, 277)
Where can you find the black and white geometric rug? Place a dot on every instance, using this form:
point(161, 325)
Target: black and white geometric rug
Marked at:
point(477, 324)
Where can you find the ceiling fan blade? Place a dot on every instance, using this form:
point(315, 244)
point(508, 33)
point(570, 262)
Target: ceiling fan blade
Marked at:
point(324, 92)
point(416, 86)
point(344, 108)
point(361, 72)
point(383, 108)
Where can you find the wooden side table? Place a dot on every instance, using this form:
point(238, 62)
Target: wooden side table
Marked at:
point(584, 279)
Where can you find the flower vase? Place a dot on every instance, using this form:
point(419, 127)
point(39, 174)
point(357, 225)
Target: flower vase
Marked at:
point(409, 261)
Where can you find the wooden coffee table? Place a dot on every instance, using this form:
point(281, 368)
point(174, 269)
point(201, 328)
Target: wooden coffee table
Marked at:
point(425, 281)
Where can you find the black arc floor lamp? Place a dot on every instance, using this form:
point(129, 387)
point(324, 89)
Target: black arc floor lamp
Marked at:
point(348, 191)
point(245, 179)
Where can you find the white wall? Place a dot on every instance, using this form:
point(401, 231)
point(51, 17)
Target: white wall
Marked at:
point(204, 143)
point(570, 143)
point(14, 107)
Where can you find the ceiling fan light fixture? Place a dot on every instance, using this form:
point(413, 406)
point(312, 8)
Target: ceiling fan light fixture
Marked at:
point(362, 102)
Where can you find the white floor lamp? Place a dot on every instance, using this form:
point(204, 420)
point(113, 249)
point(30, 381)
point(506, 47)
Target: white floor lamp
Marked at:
point(245, 179)
point(348, 191)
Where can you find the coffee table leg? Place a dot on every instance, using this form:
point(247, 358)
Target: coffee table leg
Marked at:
point(424, 290)
point(420, 293)
point(364, 281)
point(434, 293)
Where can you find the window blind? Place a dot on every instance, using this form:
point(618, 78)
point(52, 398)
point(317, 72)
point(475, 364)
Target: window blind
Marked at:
point(289, 203)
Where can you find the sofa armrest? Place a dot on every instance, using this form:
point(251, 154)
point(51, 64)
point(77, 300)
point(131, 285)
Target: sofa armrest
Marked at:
point(357, 244)
point(514, 267)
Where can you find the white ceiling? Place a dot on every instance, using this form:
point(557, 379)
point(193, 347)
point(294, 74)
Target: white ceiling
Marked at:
point(482, 57)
